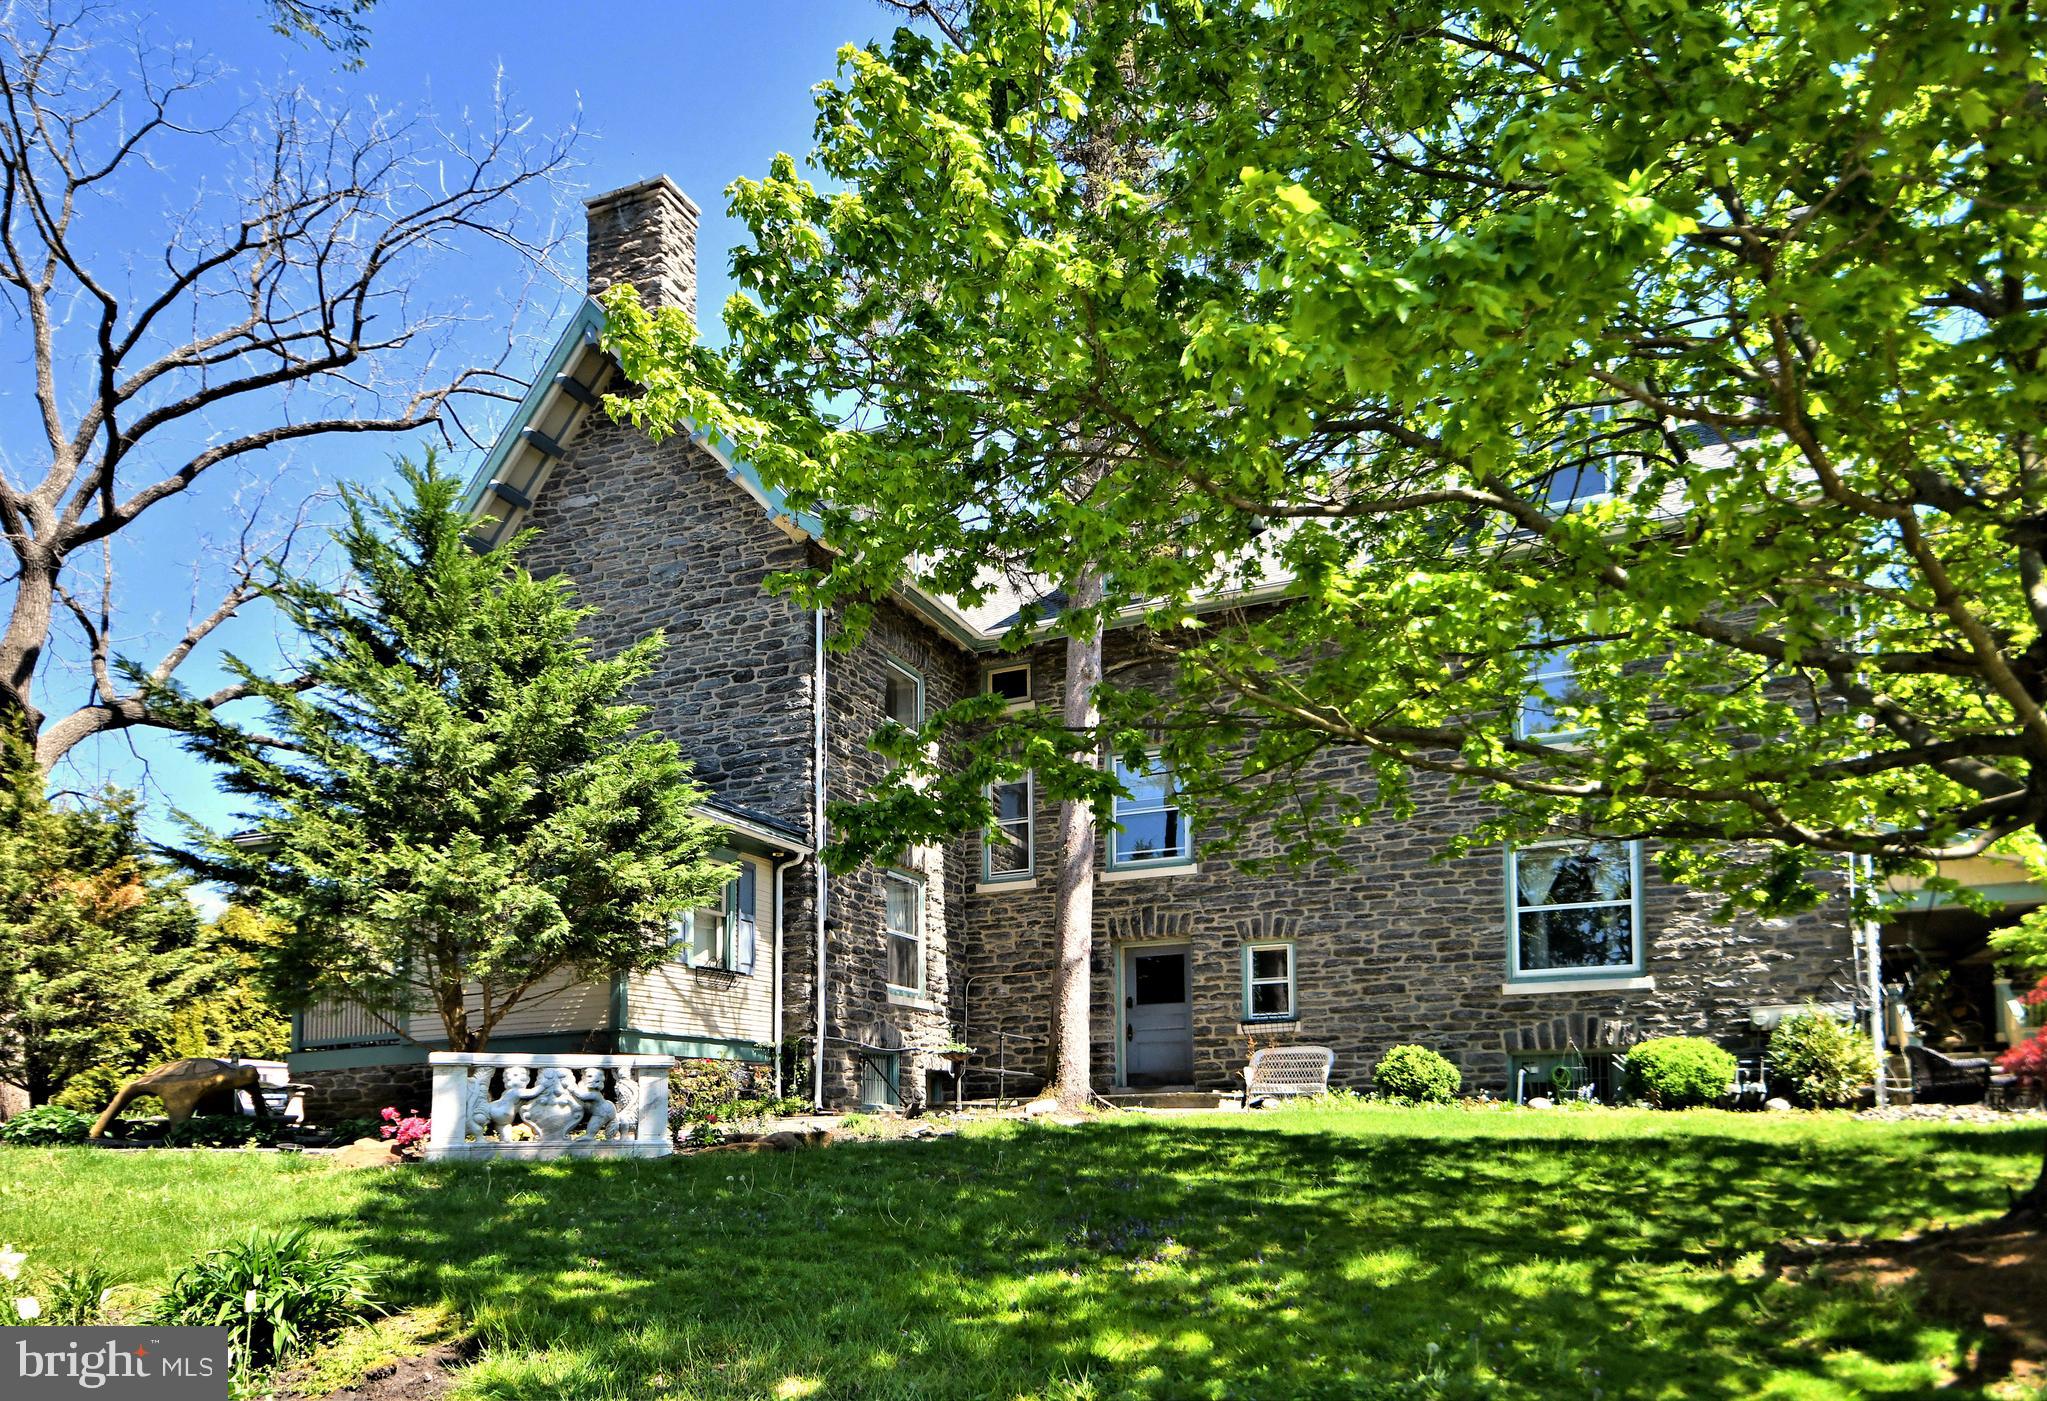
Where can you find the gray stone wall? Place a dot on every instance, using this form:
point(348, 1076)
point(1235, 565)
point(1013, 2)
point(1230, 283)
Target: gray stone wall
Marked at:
point(1393, 943)
point(657, 538)
point(862, 1008)
point(361, 1092)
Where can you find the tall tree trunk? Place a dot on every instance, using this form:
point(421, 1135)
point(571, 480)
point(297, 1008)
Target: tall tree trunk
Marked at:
point(21, 645)
point(1074, 917)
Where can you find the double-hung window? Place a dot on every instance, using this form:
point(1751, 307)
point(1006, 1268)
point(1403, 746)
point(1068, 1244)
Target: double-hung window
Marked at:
point(1149, 828)
point(724, 935)
point(1574, 910)
point(1006, 848)
point(1268, 982)
point(903, 919)
point(1552, 685)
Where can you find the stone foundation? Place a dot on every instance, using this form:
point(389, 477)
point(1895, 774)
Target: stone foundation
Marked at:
point(362, 1092)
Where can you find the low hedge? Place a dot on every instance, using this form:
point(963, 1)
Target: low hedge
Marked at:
point(1417, 1075)
point(1679, 1072)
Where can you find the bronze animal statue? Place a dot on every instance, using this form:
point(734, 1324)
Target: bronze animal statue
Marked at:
point(186, 1087)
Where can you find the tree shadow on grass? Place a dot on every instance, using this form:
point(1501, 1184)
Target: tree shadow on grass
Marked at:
point(1168, 1259)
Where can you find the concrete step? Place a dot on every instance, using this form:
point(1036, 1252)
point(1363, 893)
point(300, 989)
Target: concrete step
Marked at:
point(1165, 1097)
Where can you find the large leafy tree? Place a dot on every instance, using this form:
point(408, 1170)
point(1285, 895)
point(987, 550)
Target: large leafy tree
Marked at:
point(96, 937)
point(457, 803)
point(1691, 350)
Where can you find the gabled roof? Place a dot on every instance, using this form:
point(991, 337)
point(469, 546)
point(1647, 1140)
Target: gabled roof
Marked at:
point(571, 384)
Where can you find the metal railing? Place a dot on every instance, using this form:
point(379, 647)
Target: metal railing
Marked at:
point(328, 1024)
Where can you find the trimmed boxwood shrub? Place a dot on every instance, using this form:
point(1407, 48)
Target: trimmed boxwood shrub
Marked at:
point(1416, 1074)
point(44, 1125)
point(1819, 1061)
point(1679, 1072)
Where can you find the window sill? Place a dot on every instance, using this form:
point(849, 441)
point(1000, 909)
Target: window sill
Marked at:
point(1148, 872)
point(1536, 988)
point(1004, 887)
point(1268, 1021)
point(903, 997)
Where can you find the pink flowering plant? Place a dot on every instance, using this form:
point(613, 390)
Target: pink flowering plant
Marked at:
point(405, 1132)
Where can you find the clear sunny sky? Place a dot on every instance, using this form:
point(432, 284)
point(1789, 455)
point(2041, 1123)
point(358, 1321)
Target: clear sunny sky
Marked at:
point(701, 90)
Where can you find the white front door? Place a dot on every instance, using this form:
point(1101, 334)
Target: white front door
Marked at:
point(1158, 1017)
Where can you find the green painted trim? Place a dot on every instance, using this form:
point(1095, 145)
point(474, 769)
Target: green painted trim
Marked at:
point(410, 1053)
point(658, 1043)
point(618, 999)
point(2017, 892)
point(587, 324)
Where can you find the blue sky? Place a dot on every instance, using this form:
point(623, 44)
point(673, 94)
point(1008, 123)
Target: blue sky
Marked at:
point(703, 91)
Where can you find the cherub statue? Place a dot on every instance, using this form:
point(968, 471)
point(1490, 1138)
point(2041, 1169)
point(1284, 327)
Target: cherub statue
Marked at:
point(504, 1110)
point(625, 1100)
point(601, 1110)
point(554, 1107)
point(476, 1118)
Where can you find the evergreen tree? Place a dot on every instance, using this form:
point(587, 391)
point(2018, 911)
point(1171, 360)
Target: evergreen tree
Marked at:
point(95, 936)
point(457, 803)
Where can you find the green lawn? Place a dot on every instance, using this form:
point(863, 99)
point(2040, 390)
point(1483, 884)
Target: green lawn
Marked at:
point(1304, 1253)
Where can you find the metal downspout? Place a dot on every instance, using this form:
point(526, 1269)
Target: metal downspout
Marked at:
point(776, 1020)
point(817, 840)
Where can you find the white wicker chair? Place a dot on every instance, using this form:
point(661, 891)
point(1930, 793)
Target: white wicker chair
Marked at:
point(1285, 1072)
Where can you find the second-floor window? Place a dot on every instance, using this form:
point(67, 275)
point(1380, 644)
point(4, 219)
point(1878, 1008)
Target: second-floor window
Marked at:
point(902, 900)
point(1012, 683)
point(902, 695)
point(1575, 909)
point(1552, 684)
point(1006, 849)
point(1149, 828)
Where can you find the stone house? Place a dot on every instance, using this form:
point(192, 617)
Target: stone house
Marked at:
point(1507, 962)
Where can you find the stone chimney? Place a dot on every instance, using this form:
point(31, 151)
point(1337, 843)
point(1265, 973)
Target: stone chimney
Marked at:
point(646, 234)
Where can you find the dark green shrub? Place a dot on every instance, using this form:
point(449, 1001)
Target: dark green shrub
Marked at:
point(1819, 1061)
point(225, 1131)
point(1679, 1072)
point(277, 1294)
point(44, 1125)
point(1416, 1074)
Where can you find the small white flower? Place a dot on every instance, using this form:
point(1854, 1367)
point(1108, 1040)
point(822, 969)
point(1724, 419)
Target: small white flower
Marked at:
point(30, 1308)
point(10, 1262)
point(249, 1302)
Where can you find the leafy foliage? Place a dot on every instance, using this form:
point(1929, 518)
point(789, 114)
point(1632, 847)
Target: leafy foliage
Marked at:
point(1416, 1075)
point(96, 935)
point(277, 1293)
point(1470, 336)
point(1679, 1072)
point(225, 1131)
point(459, 797)
point(43, 1125)
point(1820, 1060)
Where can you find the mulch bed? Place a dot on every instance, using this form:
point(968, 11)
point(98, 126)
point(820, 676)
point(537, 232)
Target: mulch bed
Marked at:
point(424, 1376)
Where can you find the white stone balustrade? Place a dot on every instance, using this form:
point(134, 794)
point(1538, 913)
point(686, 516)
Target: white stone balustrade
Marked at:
point(491, 1104)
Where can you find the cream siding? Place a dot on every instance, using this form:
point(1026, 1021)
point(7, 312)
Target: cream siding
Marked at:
point(559, 1005)
point(709, 1003)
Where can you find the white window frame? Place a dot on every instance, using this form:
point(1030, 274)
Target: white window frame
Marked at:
point(683, 932)
point(1548, 663)
point(1606, 971)
point(916, 679)
point(1185, 856)
point(989, 875)
point(1030, 695)
point(1251, 981)
point(916, 935)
